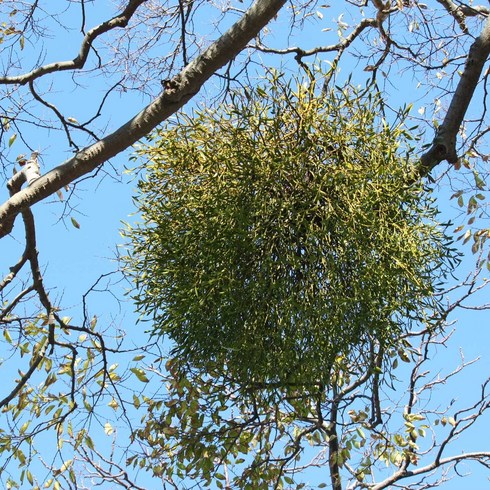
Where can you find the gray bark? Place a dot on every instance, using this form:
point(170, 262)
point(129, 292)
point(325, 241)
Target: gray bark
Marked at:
point(444, 144)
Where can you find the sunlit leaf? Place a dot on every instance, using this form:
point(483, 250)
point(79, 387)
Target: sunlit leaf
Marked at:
point(140, 374)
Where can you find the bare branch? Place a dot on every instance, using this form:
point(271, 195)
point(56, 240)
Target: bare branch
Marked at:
point(339, 47)
point(402, 474)
point(78, 62)
point(473, 10)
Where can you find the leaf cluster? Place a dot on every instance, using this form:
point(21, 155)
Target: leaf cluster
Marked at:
point(281, 231)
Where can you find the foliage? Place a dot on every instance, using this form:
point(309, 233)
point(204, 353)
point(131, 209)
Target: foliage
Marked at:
point(46, 398)
point(282, 232)
point(205, 431)
point(88, 399)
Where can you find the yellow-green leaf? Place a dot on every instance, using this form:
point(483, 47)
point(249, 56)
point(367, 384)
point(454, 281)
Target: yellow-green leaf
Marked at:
point(75, 223)
point(140, 374)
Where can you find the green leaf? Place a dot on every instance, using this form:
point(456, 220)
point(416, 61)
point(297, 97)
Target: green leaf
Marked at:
point(7, 336)
point(30, 478)
point(136, 401)
point(75, 223)
point(480, 183)
point(67, 464)
point(140, 374)
point(89, 442)
point(113, 404)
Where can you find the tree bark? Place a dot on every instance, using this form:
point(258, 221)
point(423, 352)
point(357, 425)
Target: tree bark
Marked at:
point(444, 144)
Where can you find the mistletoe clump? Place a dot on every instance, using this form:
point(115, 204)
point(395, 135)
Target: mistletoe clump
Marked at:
point(281, 232)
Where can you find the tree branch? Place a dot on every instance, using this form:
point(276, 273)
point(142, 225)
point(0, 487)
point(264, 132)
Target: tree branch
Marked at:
point(78, 62)
point(177, 92)
point(456, 12)
point(341, 46)
point(399, 475)
point(444, 144)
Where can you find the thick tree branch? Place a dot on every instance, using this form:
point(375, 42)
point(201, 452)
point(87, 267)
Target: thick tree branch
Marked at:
point(78, 62)
point(31, 255)
point(474, 10)
point(444, 144)
point(456, 12)
point(333, 449)
point(177, 92)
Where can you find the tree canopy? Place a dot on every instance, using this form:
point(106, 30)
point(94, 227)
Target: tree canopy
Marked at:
point(263, 201)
